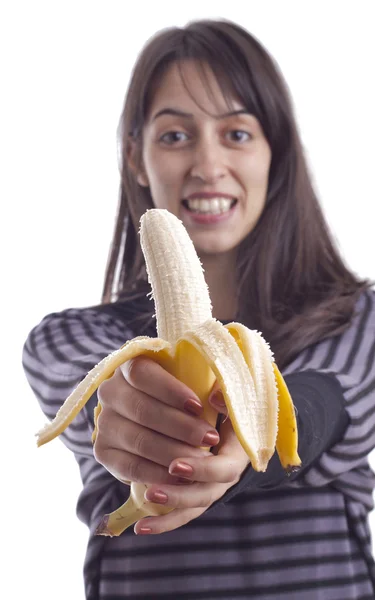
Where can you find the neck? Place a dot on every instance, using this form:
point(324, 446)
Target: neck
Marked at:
point(221, 277)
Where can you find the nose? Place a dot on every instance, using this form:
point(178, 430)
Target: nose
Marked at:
point(208, 162)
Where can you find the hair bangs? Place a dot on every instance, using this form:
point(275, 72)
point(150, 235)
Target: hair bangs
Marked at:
point(209, 51)
point(227, 62)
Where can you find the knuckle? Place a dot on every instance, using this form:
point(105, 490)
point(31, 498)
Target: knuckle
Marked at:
point(103, 392)
point(103, 423)
point(233, 480)
point(99, 452)
point(139, 409)
point(134, 470)
point(139, 443)
point(233, 475)
point(226, 475)
point(137, 369)
point(209, 470)
point(107, 389)
point(207, 499)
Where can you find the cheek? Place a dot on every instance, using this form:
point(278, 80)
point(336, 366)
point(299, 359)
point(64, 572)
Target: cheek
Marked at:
point(255, 178)
point(265, 163)
point(164, 183)
point(161, 172)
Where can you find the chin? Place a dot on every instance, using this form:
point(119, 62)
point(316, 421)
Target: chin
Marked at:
point(213, 248)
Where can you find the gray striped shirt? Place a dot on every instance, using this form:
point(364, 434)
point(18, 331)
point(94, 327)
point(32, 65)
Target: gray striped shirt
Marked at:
point(270, 537)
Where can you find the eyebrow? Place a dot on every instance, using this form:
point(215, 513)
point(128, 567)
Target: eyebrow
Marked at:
point(179, 113)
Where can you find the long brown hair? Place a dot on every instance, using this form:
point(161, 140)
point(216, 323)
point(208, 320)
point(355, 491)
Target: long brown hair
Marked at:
point(293, 284)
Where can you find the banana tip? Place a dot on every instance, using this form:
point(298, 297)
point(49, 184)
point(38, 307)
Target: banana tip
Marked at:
point(264, 456)
point(102, 528)
point(39, 440)
point(290, 469)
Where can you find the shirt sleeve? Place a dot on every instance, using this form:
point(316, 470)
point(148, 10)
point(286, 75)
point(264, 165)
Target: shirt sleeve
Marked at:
point(57, 355)
point(332, 385)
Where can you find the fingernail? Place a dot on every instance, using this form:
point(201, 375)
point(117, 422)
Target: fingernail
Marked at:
point(181, 468)
point(143, 531)
point(211, 438)
point(158, 497)
point(193, 407)
point(218, 398)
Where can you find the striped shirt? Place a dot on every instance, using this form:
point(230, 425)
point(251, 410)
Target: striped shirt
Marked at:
point(270, 537)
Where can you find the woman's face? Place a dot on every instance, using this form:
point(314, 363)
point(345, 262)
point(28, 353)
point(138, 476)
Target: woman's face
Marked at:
point(205, 163)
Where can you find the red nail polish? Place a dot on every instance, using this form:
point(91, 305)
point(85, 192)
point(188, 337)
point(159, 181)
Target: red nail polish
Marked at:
point(158, 497)
point(218, 399)
point(211, 438)
point(193, 407)
point(181, 468)
point(143, 531)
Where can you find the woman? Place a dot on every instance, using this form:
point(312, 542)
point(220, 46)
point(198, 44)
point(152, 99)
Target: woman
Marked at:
point(208, 132)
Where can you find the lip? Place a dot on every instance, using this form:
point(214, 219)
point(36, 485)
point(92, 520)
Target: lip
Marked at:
point(209, 219)
point(210, 195)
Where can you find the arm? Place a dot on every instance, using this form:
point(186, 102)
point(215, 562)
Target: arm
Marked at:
point(57, 355)
point(333, 389)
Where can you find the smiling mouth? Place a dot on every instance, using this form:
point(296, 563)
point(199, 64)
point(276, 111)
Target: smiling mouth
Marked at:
point(212, 206)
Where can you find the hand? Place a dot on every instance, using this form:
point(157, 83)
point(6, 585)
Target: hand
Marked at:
point(211, 477)
point(148, 419)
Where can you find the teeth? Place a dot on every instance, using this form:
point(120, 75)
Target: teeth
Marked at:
point(215, 206)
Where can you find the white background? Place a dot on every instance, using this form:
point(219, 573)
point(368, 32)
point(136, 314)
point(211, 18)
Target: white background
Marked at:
point(65, 67)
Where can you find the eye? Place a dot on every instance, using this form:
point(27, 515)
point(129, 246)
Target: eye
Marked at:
point(174, 137)
point(237, 135)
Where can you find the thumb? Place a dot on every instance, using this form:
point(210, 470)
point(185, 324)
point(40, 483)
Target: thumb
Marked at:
point(216, 399)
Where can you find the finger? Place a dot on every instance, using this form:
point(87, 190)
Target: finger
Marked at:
point(122, 434)
point(173, 520)
point(212, 469)
point(225, 465)
point(216, 399)
point(229, 443)
point(127, 467)
point(196, 495)
point(147, 376)
point(140, 408)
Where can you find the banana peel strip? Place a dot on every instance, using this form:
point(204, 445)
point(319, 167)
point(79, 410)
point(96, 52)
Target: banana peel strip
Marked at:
point(103, 370)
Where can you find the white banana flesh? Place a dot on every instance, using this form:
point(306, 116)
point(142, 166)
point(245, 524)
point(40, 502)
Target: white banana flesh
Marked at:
point(197, 349)
point(179, 290)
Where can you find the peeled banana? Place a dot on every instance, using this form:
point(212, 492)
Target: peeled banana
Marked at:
point(197, 349)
